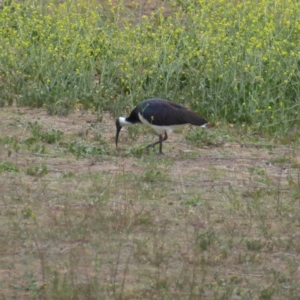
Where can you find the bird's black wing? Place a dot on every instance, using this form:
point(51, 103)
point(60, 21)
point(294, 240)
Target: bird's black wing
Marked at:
point(166, 113)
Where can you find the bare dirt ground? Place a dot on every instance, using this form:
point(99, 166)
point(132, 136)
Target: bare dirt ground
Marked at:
point(235, 157)
point(142, 217)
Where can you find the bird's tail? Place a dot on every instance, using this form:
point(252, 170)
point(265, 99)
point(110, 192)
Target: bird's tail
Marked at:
point(194, 119)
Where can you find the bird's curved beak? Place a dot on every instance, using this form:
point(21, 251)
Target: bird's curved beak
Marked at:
point(119, 127)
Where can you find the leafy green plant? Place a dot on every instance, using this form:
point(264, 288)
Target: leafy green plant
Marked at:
point(81, 150)
point(153, 175)
point(37, 170)
point(28, 213)
point(266, 294)
point(202, 137)
point(6, 166)
point(11, 143)
point(254, 244)
point(193, 202)
point(68, 175)
point(137, 151)
point(206, 239)
point(281, 160)
point(36, 129)
point(51, 136)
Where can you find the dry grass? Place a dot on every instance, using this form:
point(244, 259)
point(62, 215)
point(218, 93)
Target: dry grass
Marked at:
point(197, 223)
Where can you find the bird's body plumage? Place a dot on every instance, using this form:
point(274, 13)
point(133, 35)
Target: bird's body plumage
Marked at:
point(162, 116)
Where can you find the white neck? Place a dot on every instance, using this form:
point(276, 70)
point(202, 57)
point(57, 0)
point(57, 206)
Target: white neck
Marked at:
point(123, 121)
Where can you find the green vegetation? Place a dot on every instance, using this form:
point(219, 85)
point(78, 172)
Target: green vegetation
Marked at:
point(38, 171)
point(199, 137)
point(234, 61)
point(8, 167)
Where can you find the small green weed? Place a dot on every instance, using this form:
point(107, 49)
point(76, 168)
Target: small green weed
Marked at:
point(257, 171)
point(39, 149)
point(61, 108)
point(254, 244)
point(81, 150)
point(134, 132)
point(206, 137)
point(136, 151)
point(193, 202)
point(35, 128)
point(11, 143)
point(266, 294)
point(28, 213)
point(281, 160)
point(51, 136)
point(153, 175)
point(8, 140)
point(6, 166)
point(37, 170)
point(206, 239)
point(68, 175)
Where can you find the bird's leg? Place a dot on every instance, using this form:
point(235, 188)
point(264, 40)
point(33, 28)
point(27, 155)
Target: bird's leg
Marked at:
point(160, 144)
point(161, 139)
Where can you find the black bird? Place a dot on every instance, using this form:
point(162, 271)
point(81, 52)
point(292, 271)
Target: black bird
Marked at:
point(162, 116)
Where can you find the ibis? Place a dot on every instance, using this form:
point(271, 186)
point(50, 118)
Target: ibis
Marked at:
point(162, 116)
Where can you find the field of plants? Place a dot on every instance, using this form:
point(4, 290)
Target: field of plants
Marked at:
point(216, 217)
point(236, 61)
